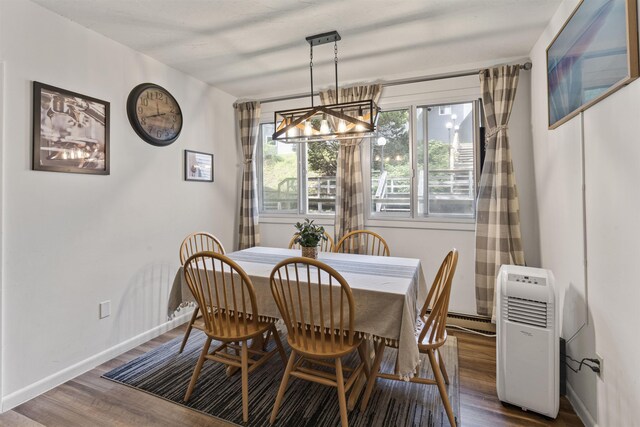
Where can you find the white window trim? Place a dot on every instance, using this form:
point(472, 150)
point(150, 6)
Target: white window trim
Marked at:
point(328, 221)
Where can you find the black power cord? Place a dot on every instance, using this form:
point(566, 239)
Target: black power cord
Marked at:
point(583, 362)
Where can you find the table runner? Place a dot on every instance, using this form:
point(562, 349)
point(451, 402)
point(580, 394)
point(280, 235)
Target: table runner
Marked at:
point(388, 293)
point(341, 265)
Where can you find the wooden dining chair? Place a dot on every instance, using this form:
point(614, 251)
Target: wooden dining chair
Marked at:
point(324, 245)
point(432, 336)
point(227, 300)
point(197, 242)
point(363, 242)
point(317, 307)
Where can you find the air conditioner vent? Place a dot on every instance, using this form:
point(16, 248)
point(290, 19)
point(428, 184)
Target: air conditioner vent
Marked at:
point(527, 311)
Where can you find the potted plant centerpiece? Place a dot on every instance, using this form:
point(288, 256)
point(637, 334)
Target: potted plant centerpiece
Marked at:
point(309, 236)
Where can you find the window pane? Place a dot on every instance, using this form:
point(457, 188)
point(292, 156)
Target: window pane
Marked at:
point(322, 163)
point(279, 172)
point(391, 164)
point(446, 160)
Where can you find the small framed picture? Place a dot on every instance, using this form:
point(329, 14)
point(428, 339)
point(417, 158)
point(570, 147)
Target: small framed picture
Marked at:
point(70, 131)
point(198, 166)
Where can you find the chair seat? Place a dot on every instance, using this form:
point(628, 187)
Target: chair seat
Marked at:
point(234, 329)
point(430, 345)
point(320, 352)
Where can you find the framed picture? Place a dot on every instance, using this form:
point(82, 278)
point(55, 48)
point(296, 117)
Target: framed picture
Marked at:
point(198, 166)
point(594, 54)
point(70, 131)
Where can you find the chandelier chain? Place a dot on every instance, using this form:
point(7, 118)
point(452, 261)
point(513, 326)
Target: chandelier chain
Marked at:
point(335, 60)
point(311, 70)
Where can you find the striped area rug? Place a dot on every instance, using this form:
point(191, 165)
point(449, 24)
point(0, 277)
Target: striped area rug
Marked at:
point(165, 373)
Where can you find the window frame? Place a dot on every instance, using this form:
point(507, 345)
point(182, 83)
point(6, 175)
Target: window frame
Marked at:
point(301, 168)
point(414, 216)
point(259, 163)
point(386, 219)
point(475, 144)
point(365, 151)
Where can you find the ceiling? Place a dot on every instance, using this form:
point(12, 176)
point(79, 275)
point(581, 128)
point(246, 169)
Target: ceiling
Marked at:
point(256, 48)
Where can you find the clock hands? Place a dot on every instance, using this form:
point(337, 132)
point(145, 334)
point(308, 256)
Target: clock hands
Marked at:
point(158, 110)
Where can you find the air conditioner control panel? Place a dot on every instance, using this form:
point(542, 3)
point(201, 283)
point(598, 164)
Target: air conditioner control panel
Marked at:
point(521, 278)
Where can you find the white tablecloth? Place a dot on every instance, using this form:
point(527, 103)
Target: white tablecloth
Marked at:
point(388, 293)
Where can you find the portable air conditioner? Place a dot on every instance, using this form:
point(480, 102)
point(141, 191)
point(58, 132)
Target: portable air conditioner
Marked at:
point(527, 339)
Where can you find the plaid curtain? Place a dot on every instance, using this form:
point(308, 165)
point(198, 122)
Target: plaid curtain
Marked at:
point(498, 238)
point(248, 117)
point(349, 189)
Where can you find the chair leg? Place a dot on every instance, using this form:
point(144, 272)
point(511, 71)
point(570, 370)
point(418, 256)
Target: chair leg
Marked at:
point(265, 341)
point(341, 396)
point(194, 316)
point(283, 387)
point(443, 369)
point(441, 387)
point(245, 380)
point(362, 352)
point(276, 338)
point(373, 374)
point(196, 371)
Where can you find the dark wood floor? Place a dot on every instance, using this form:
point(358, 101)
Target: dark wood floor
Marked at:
point(89, 400)
point(479, 402)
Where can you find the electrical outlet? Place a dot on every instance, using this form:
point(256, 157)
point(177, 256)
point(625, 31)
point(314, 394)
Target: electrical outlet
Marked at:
point(601, 364)
point(105, 309)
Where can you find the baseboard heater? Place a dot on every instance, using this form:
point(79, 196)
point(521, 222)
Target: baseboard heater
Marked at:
point(470, 321)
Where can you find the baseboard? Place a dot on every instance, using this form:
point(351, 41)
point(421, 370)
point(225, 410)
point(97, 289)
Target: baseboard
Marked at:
point(27, 393)
point(470, 321)
point(579, 407)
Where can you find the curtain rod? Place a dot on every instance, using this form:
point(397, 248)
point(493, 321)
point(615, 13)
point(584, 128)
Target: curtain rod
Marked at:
point(526, 66)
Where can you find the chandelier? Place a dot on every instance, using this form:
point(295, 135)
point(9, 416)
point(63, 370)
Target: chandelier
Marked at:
point(326, 122)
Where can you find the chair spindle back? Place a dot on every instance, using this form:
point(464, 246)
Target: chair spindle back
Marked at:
point(224, 293)
point(199, 242)
point(363, 242)
point(438, 300)
point(313, 296)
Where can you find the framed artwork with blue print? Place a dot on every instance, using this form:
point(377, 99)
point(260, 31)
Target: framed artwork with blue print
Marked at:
point(594, 54)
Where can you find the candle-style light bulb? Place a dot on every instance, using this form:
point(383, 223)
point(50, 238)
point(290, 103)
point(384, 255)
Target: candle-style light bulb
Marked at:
point(292, 132)
point(359, 127)
point(324, 126)
point(308, 130)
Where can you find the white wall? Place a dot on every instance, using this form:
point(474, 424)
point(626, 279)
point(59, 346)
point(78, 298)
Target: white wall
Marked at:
point(71, 241)
point(430, 241)
point(610, 233)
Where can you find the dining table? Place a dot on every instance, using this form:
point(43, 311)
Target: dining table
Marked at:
point(388, 293)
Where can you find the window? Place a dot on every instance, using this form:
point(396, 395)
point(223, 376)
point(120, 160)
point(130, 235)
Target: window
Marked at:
point(280, 165)
point(442, 156)
point(445, 160)
point(391, 164)
point(321, 166)
point(420, 164)
point(277, 172)
point(444, 110)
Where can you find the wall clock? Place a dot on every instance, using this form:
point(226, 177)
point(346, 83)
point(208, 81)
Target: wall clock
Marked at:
point(154, 114)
